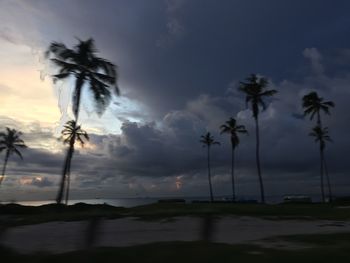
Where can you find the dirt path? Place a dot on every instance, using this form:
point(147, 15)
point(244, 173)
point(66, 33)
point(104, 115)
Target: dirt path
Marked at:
point(59, 237)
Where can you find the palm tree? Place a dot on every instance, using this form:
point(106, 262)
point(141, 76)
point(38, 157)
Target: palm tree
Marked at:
point(231, 128)
point(208, 140)
point(255, 90)
point(90, 71)
point(82, 63)
point(321, 135)
point(70, 134)
point(10, 141)
point(315, 105)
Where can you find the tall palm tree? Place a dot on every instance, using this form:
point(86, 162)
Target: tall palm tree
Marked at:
point(10, 141)
point(313, 106)
point(70, 134)
point(90, 71)
point(81, 62)
point(208, 140)
point(321, 135)
point(233, 129)
point(256, 90)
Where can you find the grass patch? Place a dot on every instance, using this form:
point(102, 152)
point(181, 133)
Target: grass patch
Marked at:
point(324, 240)
point(282, 211)
point(184, 252)
point(13, 214)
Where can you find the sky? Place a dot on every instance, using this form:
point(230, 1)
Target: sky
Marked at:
point(179, 63)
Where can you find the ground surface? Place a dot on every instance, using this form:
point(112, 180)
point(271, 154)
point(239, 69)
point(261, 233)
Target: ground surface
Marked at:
point(59, 237)
point(176, 233)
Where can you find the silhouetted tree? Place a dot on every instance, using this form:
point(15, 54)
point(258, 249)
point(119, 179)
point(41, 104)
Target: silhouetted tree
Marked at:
point(70, 134)
point(208, 140)
point(314, 105)
point(233, 129)
point(90, 71)
point(321, 135)
point(10, 142)
point(255, 90)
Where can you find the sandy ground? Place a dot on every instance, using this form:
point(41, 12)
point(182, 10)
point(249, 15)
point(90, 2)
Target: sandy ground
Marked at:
point(57, 237)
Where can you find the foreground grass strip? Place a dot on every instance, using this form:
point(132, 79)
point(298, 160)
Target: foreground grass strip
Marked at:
point(13, 214)
point(192, 252)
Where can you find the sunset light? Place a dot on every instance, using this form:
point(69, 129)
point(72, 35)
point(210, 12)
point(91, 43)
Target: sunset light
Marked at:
point(174, 131)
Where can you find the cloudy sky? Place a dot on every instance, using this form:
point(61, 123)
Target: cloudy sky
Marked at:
point(180, 63)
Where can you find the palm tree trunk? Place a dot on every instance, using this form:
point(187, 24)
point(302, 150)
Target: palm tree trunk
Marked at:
point(232, 174)
point(68, 183)
point(66, 169)
point(209, 177)
point(77, 95)
point(321, 175)
point(319, 123)
point(4, 167)
point(319, 119)
point(262, 193)
point(328, 180)
point(64, 175)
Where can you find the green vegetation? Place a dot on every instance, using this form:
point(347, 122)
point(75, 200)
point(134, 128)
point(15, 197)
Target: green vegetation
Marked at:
point(320, 251)
point(18, 215)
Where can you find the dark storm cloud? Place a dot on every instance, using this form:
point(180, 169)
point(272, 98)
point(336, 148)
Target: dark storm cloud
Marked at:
point(211, 43)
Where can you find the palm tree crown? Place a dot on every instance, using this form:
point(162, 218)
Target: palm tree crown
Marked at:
point(255, 90)
point(231, 127)
point(71, 132)
point(313, 105)
point(321, 135)
point(11, 141)
point(82, 63)
point(208, 140)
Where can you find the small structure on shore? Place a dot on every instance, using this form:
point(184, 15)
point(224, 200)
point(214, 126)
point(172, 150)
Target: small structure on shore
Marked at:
point(301, 199)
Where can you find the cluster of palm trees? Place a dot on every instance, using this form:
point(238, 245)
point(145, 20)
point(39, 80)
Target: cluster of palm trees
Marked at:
point(90, 72)
point(100, 77)
point(313, 106)
point(255, 90)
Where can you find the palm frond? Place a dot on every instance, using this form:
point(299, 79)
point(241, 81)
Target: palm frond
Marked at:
point(268, 93)
point(18, 153)
point(72, 133)
point(99, 73)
